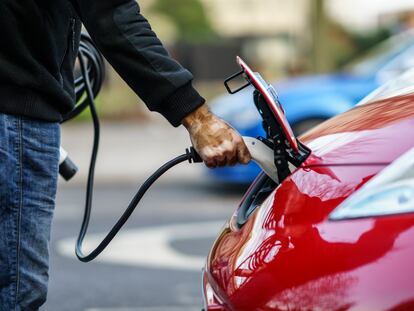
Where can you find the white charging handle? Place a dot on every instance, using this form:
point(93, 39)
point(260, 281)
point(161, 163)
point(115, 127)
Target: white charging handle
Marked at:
point(263, 156)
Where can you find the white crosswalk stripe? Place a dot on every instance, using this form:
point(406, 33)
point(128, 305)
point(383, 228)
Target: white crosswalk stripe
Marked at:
point(150, 247)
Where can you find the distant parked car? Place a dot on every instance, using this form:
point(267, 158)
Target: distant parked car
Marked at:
point(309, 100)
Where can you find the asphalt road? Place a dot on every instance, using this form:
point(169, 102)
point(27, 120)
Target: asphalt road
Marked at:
point(155, 264)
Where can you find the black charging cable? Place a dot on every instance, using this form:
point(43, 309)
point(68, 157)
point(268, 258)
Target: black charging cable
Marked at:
point(87, 87)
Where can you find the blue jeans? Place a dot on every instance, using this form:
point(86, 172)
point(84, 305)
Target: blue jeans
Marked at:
point(29, 159)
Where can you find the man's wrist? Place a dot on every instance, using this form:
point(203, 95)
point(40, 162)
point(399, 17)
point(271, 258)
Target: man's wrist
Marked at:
point(197, 117)
point(181, 103)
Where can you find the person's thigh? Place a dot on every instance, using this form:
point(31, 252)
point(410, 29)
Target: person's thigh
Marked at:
point(10, 184)
point(31, 194)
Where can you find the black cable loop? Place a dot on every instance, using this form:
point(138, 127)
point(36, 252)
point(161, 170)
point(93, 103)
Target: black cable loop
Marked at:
point(96, 72)
point(87, 87)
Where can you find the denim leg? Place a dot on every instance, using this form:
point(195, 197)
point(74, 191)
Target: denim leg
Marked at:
point(27, 199)
point(10, 206)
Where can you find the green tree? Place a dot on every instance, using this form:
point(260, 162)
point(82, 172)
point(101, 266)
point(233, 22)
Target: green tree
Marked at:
point(189, 18)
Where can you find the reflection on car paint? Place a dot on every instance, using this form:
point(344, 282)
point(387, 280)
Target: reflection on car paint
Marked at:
point(350, 139)
point(286, 255)
point(290, 256)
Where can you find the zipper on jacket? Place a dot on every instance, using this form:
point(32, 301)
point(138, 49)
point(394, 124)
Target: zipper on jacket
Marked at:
point(70, 41)
point(73, 35)
point(70, 45)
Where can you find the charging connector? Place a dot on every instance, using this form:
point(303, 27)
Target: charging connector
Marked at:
point(67, 169)
point(193, 156)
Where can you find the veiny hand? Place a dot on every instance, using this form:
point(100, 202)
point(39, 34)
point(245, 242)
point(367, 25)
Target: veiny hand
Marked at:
point(217, 143)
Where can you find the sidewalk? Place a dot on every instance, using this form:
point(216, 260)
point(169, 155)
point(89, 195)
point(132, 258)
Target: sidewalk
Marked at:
point(129, 152)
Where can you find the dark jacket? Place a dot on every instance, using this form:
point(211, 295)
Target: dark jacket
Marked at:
point(39, 43)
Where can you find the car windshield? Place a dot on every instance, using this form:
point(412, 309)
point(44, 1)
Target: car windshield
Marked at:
point(374, 59)
point(403, 85)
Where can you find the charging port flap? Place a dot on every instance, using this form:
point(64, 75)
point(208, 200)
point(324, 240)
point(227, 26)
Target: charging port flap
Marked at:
point(279, 134)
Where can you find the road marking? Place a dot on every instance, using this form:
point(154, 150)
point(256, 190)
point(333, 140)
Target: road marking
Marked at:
point(149, 247)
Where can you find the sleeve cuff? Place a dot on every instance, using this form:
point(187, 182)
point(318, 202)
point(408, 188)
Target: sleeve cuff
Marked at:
point(184, 101)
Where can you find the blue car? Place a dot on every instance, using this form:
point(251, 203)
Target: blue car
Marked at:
point(309, 100)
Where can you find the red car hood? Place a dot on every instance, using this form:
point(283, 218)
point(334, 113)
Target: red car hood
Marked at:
point(374, 133)
point(290, 256)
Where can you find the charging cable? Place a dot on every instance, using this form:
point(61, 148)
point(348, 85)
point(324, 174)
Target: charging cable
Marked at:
point(87, 87)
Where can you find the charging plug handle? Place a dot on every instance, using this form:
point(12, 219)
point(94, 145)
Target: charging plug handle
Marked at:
point(193, 156)
point(67, 169)
point(260, 150)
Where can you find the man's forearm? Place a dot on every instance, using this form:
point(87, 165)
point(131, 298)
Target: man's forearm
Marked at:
point(126, 39)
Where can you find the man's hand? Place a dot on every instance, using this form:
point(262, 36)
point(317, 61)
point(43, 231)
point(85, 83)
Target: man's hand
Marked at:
point(217, 143)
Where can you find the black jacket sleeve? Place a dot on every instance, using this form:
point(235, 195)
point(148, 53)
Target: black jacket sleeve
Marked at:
point(127, 41)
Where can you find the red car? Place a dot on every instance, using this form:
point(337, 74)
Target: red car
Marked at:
point(302, 244)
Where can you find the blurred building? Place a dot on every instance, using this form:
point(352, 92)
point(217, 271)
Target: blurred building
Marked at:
point(273, 30)
point(270, 31)
point(239, 18)
point(369, 14)
point(265, 32)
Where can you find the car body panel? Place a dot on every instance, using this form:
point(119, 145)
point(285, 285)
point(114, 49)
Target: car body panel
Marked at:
point(365, 134)
point(290, 256)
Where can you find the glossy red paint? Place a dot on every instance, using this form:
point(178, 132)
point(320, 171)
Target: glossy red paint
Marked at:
point(375, 133)
point(290, 256)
